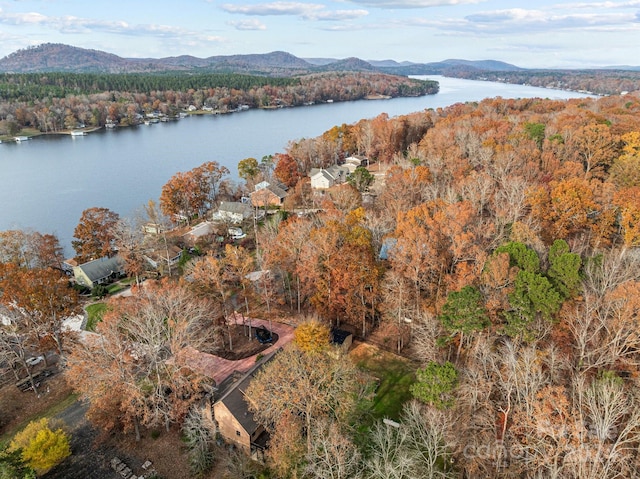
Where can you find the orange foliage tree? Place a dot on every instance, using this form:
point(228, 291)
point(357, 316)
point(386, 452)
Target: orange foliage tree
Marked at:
point(135, 369)
point(93, 235)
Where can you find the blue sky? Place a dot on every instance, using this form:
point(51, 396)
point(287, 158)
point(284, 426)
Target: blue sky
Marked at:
point(540, 34)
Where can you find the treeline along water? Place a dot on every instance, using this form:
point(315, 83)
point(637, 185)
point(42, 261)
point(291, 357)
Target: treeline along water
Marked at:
point(47, 182)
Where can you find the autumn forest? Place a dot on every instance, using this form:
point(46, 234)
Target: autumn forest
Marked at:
point(490, 247)
point(53, 102)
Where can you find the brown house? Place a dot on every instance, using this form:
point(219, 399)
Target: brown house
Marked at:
point(234, 420)
point(269, 195)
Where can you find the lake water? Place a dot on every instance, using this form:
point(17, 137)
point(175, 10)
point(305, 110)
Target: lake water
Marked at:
point(47, 182)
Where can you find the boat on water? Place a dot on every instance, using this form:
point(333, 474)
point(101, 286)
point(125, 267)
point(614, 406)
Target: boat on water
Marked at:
point(78, 133)
point(20, 139)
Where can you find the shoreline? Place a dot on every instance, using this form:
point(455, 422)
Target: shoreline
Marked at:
point(30, 133)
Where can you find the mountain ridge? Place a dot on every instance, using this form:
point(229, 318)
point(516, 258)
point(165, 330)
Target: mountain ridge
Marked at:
point(50, 57)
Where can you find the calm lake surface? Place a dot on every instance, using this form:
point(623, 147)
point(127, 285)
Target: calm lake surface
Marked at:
point(47, 182)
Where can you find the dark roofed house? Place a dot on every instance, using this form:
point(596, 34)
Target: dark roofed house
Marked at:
point(99, 271)
point(231, 412)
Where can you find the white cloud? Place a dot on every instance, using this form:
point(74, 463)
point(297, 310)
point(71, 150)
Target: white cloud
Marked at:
point(76, 25)
point(337, 15)
point(518, 20)
point(598, 5)
point(274, 8)
point(306, 11)
point(400, 4)
point(248, 25)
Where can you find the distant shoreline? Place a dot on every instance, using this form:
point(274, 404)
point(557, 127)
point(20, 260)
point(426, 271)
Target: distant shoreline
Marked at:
point(30, 133)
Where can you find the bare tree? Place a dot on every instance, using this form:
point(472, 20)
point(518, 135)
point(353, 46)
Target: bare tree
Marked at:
point(333, 455)
point(129, 242)
point(199, 434)
point(416, 446)
point(427, 439)
point(390, 458)
point(15, 345)
point(311, 386)
point(135, 368)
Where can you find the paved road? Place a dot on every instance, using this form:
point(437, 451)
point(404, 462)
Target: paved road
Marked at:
point(88, 459)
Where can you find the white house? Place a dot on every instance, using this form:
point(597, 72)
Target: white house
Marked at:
point(323, 178)
point(353, 162)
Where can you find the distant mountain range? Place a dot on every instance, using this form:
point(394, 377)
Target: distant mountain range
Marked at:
point(57, 57)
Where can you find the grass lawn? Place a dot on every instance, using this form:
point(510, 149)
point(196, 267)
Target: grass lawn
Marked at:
point(30, 132)
point(115, 288)
point(395, 375)
point(94, 315)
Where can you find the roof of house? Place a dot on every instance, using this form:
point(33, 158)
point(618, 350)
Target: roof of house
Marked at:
point(235, 207)
point(234, 395)
point(161, 255)
point(261, 185)
point(331, 173)
point(102, 267)
point(354, 159)
point(338, 336)
point(71, 262)
point(387, 245)
point(276, 190)
point(321, 172)
point(265, 184)
point(257, 275)
point(201, 229)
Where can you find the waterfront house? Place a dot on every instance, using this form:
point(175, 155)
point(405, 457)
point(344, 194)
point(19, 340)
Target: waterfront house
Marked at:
point(99, 271)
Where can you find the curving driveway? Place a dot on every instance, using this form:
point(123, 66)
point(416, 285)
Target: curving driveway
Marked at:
point(220, 369)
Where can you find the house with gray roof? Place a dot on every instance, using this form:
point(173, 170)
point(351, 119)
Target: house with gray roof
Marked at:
point(99, 271)
point(324, 178)
point(234, 211)
point(269, 195)
point(235, 422)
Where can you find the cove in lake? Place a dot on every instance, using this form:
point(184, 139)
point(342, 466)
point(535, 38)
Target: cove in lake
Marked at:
point(47, 182)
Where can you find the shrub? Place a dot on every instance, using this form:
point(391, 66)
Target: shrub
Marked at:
point(99, 291)
point(41, 447)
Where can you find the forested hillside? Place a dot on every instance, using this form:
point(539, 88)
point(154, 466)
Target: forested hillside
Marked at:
point(600, 82)
point(51, 102)
point(492, 246)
